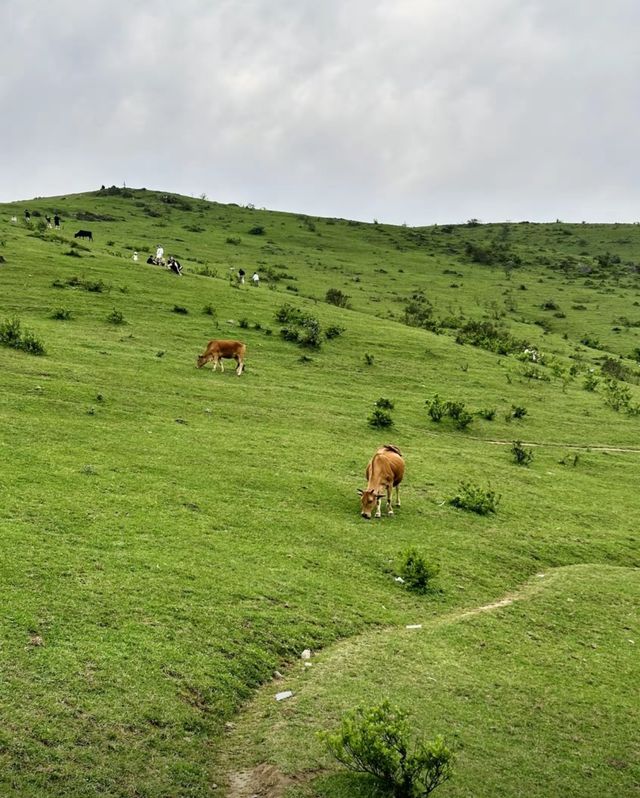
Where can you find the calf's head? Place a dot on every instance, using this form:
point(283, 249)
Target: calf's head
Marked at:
point(368, 500)
point(202, 359)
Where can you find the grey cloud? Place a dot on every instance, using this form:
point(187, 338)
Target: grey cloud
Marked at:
point(406, 110)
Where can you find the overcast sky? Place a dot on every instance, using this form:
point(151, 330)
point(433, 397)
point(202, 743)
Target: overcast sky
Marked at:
point(416, 111)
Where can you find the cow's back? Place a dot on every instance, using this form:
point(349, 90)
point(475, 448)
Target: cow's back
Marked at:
point(386, 465)
point(226, 348)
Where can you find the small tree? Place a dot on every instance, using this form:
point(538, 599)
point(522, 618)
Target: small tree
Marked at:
point(376, 741)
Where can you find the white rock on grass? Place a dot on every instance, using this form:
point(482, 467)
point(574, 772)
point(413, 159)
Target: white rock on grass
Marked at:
point(306, 654)
point(283, 695)
point(413, 626)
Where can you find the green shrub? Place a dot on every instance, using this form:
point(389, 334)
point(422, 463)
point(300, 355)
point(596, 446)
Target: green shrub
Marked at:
point(63, 314)
point(435, 408)
point(458, 413)
point(380, 419)
point(209, 310)
point(243, 323)
point(418, 312)
point(475, 499)
point(116, 317)
point(333, 331)
point(384, 404)
point(521, 456)
point(591, 382)
point(517, 411)
point(416, 573)
point(488, 413)
point(489, 336)
point(335, 297)
point(12, 335)
point(377, 741)
point(180, 309)
point(368, 359)
point(258, 230)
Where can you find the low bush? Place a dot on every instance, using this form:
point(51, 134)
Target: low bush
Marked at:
point(380, 419)
point(335, 297)
point(416, 572)
point(116, 317)
point(489, 336)
point(377, 741)
point(180, 309)
point(475, 499)
point(333, 331)
point(13, 336)
point(488, 413)
point(258, 230)
point(368, 359)
point(384, 404)
point(63, 314)
point(521, 456)
point(454, 410)
point(590, 382)
point(517, 412)
point(209, 310)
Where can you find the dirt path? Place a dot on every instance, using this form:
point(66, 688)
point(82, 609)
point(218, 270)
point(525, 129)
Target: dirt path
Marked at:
point(580, 446)
point(267, 781)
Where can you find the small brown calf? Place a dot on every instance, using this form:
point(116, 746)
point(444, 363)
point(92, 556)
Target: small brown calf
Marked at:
point(216, 350)
point(384, 472)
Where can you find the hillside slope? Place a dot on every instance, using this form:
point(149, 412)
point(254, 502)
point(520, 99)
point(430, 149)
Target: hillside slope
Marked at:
point(171, 536)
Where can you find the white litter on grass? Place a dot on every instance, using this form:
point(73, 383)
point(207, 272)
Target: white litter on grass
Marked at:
point(306, 654)
point(308, 664)
point(399, 579)
point(284, 694)
point(413, 626)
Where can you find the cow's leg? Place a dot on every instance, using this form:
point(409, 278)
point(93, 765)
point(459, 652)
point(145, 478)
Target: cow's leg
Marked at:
point(215, 363)
point(397, 496)
point(221, 365)
point(389, 507)
point(379, 507)
point(240, 363)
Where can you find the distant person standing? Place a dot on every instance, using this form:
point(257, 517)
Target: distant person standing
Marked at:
point(27, 216)
point(56, 222)
point(135, 256)
point(48, 220)
point(256, 279)
point(159, 254)
point(241, 276)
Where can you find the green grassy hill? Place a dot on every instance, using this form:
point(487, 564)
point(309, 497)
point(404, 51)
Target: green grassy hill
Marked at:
point(172, 536)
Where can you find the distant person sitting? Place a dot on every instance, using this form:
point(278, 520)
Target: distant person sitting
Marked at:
point(135, 256)
point(48, 221)
point(174, 265)
point(256, 279)
point(151, 260)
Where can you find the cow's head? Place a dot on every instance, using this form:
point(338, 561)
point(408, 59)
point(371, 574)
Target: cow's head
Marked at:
point(202, 359)
point(368, 500)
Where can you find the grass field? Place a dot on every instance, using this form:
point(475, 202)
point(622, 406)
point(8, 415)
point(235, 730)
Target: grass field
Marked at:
point(172, 537)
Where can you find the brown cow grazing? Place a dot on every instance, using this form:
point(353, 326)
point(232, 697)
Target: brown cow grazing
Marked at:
point(384, 472)
point(216, 350)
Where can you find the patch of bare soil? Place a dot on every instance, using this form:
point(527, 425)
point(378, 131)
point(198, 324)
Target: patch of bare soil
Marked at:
point(262, 781)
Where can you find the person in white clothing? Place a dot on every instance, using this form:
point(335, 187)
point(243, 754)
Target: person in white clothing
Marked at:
point(256, 279)
point(159, 254)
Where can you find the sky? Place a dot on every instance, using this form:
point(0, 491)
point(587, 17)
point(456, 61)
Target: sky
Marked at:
point(406, 111)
